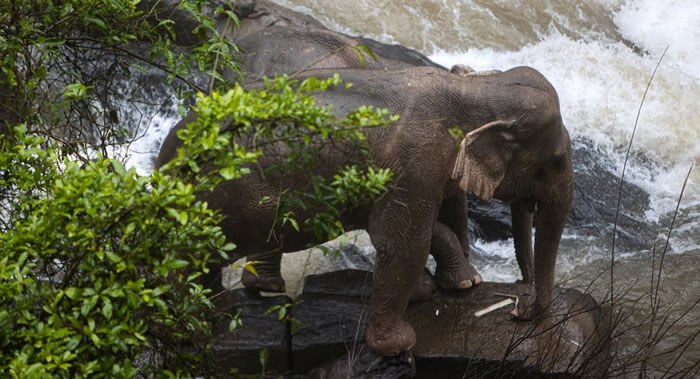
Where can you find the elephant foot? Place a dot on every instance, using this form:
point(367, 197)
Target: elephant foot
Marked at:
point(528, 310)
point(463, 277)
point(264, 281)
point(391, 340)
point(424, 288)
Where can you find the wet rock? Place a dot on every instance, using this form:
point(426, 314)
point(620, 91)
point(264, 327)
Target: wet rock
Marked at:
point(596, 191)
point(351, 251)
point(345, 283)
point(452, 342)
point(334, 311)
point(489, 220)
point(240, 348)
point(367, 365)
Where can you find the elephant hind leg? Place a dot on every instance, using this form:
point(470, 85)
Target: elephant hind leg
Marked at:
point(453, 268)
point(268, 278)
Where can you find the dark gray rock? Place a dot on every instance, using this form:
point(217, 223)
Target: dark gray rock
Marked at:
point(452, 342)
point(367, 365)
point(595, 200)
point(342, 283)
point(240, 349)
point(489, 220)
point(334, 311)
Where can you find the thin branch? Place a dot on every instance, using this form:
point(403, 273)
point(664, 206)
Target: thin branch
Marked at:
point(668, 237)
point(622, 179)
point(143, 59)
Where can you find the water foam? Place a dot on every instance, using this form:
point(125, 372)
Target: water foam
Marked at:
point(496, 260)
point(653, 24)
point(140, 153)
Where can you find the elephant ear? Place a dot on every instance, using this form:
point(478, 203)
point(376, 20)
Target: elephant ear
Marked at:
point(481, 161)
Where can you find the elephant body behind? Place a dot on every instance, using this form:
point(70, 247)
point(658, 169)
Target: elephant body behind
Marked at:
point(526, 161)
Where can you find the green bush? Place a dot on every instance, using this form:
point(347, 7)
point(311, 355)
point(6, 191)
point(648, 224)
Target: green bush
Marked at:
point(99, 265)
point(101, 268)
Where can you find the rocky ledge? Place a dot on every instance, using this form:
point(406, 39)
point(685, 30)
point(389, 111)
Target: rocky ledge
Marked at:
point(330, 319)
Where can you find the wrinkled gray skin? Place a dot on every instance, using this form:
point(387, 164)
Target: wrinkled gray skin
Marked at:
point(519, 151)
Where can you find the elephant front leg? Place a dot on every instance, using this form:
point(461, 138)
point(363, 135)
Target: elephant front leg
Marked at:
point(400, 232)
point(522, 239)
point(549, 226)
point(268, 278)
point(453, 268)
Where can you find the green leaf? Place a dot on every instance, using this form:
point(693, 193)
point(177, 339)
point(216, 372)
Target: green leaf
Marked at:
point(119, 168)
point(250, 266)
point(107, 309)
point(228, 173)
point(75, 91)
point(361, 47)
point(174, 213)
point(96, 21)
point(262, 355)
point(51, 42)
point(114, 258)
point(183, 217)
point(72, 293)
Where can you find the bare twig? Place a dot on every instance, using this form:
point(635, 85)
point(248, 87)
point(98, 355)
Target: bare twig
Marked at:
point(143, 59)
point(622, 179)
point(668, 237)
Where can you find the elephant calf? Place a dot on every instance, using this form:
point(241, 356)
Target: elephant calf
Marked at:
point(516, 149)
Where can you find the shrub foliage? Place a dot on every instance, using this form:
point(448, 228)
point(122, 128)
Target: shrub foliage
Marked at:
point(98, 264)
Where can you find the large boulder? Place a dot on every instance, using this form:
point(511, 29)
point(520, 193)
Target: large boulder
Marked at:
point(330, 319)
point(453, 342)
point(334, 311)
point(240, 349)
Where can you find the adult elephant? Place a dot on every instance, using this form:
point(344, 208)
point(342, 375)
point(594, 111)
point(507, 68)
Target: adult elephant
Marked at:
point(516, 149)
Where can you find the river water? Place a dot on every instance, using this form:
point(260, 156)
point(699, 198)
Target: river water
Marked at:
point(599, 55)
